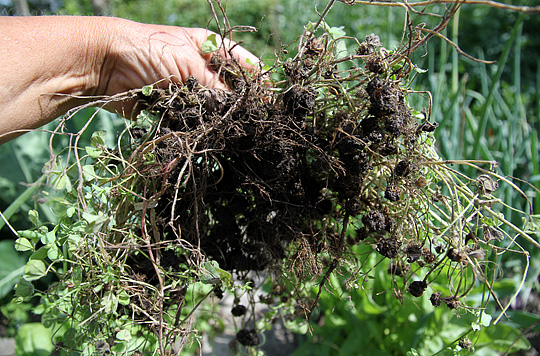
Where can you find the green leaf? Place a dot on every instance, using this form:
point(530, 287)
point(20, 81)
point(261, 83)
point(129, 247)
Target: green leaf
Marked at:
point(210, 45)
point(93, 152)
point(33, 339)
point(124, 335)
point(335, 32)
point(209, 275)
point(11, 267)
point(144, 120)
point(485, 320)
point(70, 211)
point(109, 302)
point(98, 138)
point(95, 222)
point(62, 181)
point(89, 174)
point(49, 238)
point(532, 225)
point(123, 297)
point(40, 254)
point(34, 217)
point(23, 244)
point(34, 270)
point(24, 289)
point(53, 253)
point(147, 90)
point(35, 236)
point(225, 276)
point(73, 242)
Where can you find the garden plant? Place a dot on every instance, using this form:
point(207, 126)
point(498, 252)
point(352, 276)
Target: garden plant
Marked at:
point(313, 177)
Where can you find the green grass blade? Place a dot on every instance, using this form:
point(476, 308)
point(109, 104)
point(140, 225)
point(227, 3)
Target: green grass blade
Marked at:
point(13, 207)
point(494, 84)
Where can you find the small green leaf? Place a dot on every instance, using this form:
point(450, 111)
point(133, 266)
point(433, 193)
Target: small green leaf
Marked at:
point(34, 270)
point(210, 45)
point(109, 302)
point(144, 120)
point(48, 238)
point(209, 275)
point(98, 138)
point(532, 225)
point(73, 242)
point(34, 217)
point(22, 244)
point(40, 254)
point(70, 211)
point(53, 253)
point(24, 289)
point(124, 335)
point(310, 26)
point(89, 174)
point(123, 297)
point(225, 276)
point(485, 320)
point(147, 90)
point(93, 152)
point(95, 222)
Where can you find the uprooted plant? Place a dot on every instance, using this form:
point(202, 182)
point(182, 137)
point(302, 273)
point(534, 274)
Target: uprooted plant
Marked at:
point(284, 176)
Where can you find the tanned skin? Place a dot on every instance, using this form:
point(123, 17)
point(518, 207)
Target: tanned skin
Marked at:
point(50, 64)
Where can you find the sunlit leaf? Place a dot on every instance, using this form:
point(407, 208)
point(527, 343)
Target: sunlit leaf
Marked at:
point(210, 45)
point(34, 270)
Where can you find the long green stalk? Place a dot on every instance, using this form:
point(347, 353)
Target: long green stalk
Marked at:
point(13, 207)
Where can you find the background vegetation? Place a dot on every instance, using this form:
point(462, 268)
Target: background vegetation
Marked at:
point(484, 112)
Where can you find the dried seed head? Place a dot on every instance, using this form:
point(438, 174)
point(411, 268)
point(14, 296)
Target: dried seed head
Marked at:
point(455, 255)
point(465, 343)
point(417, 288)
point(486, 185)
point(452, 303)
point(392, 192)
point(238, 310)
point(248, 337)
point(491, 233)
point(388, 247)
point(374, 221)
point(435, 299)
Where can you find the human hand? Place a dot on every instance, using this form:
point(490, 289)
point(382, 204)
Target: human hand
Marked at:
point(143, 54)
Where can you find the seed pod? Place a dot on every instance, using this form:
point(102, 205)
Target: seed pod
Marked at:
point(435, 299)
point(238, 310)
point(248, 337)
point(417, 288)
point(486, 185)
point(465, 343)
point(392, 192)
point(374, 221)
